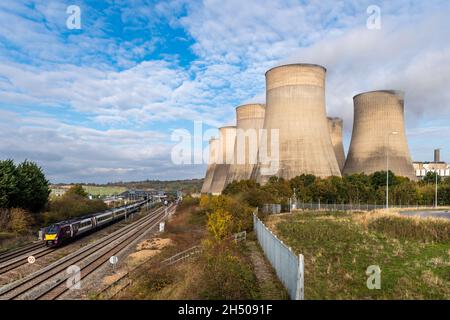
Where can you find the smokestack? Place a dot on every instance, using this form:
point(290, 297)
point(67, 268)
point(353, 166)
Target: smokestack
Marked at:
point(335, 126)
point(437, 155)
point(295, 105)
point(227, 136)
point(378, 131)
point(249, 121)
point(213, 154)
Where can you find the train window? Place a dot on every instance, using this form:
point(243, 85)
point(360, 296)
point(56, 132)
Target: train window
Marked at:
point(103, 218)
point(85, 224)
point(52, 229)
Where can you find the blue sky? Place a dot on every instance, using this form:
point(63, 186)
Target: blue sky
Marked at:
point(99, 104)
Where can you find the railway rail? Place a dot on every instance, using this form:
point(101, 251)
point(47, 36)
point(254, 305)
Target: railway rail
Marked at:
point(21, 259)
point(15, 258)
point(50, 282)
point(14, 253)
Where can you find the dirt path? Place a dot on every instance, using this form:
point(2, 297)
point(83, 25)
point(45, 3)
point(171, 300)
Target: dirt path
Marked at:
point(270, 287)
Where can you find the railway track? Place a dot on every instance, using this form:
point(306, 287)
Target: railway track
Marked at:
point(21, 259)
point(14, 253)
point(50, 282)
point(10, 260)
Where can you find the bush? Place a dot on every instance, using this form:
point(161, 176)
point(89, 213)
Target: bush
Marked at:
point(70, 206)
point(220, 224)
point(412, 228)
point(20, 221)
point(76, 190)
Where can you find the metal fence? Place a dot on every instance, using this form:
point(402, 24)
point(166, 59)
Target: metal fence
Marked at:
point(347, 207)
point(288, 266)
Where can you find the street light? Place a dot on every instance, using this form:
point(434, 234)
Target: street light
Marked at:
point(436, 189)
point(387, 167)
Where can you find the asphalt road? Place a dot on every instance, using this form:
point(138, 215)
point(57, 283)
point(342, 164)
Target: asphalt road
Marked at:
point(428, 213)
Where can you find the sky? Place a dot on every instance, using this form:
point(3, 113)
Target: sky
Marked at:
point(101, 103)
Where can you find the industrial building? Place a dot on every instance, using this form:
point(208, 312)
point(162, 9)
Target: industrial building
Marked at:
point(295, 106)
point(335, 126)
point(442, 168)
point(227, 137)
point(249, 121)
point(212, 160)
point(309, 142)
point(378, 138)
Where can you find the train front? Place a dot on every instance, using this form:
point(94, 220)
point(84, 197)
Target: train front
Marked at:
point(51, 235)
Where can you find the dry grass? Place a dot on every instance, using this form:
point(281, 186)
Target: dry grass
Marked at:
point(413, 254)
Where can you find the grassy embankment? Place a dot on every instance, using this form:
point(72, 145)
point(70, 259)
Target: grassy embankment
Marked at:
point(413, 254)
point(224, 272)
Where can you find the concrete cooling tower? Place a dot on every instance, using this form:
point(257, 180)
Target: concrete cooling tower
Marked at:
point(335, 126)
point(295, 105)
point(213, 154)
point(227, 136)
point(378, 131)
point(249, 121)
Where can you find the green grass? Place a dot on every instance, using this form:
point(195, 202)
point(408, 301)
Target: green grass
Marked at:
point(338, 249)
point(103, 191)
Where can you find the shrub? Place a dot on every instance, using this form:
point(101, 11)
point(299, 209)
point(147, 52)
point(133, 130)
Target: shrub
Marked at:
point(220, 224)
point(70, 206)
point(20, 220)
point(412, 228)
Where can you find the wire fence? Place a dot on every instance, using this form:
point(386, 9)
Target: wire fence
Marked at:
point(299, 205)
point(288, 266)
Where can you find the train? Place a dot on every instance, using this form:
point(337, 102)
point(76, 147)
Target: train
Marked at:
point(65, 231)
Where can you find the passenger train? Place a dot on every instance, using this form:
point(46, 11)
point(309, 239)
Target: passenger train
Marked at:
point(64, 231)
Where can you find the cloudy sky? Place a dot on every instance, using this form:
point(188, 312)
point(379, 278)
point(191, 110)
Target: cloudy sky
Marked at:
point(100, 103)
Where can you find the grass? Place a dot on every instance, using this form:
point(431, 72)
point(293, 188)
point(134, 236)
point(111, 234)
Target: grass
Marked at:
point(103, 190)
point(413, 254)
point(11, 240)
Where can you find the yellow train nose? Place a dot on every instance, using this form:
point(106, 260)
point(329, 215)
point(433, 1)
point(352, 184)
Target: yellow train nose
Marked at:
point(50, 237)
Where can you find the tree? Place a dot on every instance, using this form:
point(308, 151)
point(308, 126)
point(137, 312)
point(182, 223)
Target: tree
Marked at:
point(8, 184)
point(76, 190)
point(33, 187)
point(20, 220)
point(430, 177)
point(220, 224)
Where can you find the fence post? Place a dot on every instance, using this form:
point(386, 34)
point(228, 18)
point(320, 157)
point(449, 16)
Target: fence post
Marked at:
point(300, 294)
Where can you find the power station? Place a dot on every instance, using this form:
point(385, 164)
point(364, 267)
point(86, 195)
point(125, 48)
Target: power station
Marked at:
point(213, 155)
point(335, 126)
point(306, 141)
point(227, 137)
point(295, 106)
point(249, 121)
point(378, 138)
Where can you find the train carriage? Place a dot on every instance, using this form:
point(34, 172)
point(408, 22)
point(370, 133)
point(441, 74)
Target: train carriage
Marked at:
point(61, 232)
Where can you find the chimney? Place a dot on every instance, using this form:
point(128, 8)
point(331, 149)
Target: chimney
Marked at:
point(437, 155)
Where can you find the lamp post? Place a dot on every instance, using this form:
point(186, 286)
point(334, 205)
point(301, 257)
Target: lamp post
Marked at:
point(387, 167)
point(436, 189)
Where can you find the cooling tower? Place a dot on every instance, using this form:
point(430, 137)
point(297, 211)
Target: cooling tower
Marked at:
point(295, 105)
point(335, 128)
point(213, 153)
point(227, 136)
point(378, 132)
point(249, 121)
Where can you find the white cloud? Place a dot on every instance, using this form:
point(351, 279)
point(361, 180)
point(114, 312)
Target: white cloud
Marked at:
point(97, 76)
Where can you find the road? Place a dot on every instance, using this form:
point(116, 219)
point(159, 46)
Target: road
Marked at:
point(428, 213)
